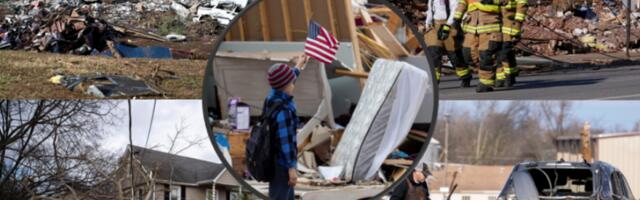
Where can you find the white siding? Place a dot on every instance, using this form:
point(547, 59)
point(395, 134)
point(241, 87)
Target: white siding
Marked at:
point(623, 153)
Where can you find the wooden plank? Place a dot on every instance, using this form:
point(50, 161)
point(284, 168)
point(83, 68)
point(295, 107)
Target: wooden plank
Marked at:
point(366, 17)
point(380, 10)
point(332, 17)
point(354, 38)
point(298, 22)
point(389, 40)
point(307, 10)
point(275, 14)
point(252, 25)
point(228, 37)
point(343, 28)
point(264, 21)
point(412, 43)
point(286, 20)
point(376, 48)
point(241, 21)
point(394, 23)
point(403, 162)
point(372, 35)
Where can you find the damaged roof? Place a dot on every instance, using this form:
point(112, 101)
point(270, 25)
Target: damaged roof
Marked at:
point(186, 170)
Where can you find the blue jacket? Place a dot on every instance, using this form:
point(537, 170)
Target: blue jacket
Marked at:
point(286, 124)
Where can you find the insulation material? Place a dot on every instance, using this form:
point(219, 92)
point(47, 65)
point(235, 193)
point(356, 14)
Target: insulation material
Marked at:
point(380, 121)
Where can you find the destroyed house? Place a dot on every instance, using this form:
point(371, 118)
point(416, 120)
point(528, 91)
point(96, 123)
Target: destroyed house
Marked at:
point(164, 176)
point(355, 111)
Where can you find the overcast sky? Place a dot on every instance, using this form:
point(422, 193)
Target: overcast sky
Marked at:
point(169, 115)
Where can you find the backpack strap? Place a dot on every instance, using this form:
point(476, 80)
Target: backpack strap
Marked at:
point(267, 112)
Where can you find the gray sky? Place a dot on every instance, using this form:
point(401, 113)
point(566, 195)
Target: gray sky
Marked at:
point(169, 115)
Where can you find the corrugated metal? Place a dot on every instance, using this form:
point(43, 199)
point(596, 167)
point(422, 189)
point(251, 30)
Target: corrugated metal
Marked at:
point(623, 153)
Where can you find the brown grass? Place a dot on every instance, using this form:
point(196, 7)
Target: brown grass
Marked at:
point(25, 75)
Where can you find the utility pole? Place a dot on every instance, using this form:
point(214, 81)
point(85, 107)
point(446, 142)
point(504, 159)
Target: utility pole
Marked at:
point(628, 27)
point(446, 148)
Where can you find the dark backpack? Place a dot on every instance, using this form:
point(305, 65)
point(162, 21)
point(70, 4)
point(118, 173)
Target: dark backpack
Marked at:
point(260, 153)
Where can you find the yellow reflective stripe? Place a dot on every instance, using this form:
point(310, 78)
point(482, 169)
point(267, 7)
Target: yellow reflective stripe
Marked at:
point(486, 8)
point(510, 5)
point(519, 17)
point(510, 31)
point(489, 82)
point(511, 70)
point(500, 76)
point(522, 1)
point(482, 29)
point(462, 73)
point(457, 15)
point(445, 27)
point(437, 75)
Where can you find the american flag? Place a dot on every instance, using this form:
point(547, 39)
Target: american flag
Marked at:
point(320, 44)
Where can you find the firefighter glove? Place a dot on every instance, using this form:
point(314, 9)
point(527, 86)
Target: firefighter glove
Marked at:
point(443, 33)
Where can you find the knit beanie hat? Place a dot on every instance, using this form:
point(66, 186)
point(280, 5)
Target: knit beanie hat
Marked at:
point(280, 75)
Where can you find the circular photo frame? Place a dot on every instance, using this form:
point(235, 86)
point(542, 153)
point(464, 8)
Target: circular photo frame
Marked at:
point(353, 126)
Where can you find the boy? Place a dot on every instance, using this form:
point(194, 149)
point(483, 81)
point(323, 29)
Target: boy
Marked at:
point(281, 79)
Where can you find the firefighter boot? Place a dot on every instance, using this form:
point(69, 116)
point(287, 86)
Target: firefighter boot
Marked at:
point(483, 88)
point(466, 82)
point(511, 80)
point(500, 83)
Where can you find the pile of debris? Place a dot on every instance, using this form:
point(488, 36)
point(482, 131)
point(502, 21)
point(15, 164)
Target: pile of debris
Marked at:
point(580, 29)
point(558, 27)
point(59, 29)
point(72, 21)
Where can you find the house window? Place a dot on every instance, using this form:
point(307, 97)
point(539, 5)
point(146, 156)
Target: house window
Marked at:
point(175, 193)
point(466, 198)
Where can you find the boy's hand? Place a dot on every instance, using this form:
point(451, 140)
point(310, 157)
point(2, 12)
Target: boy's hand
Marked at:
point(301, 61)
point(293, 177)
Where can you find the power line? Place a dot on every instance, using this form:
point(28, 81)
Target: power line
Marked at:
point(153, 112)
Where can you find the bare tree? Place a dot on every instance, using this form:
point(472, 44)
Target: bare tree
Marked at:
point(145, 176)
point(44, 146)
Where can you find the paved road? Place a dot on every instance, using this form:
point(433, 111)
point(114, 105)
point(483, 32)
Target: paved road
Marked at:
point(619, 83)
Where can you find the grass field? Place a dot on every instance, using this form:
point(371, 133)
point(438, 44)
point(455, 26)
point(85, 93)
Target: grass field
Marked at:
point(25, 75)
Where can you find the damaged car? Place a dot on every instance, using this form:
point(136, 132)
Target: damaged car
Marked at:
point(221, 12)
point(566, 180)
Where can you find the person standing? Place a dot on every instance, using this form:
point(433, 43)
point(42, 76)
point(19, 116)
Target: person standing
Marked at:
point(445, 38)
point(281, 79)
point(513, 15)
point(482, 32)
point(414, 187)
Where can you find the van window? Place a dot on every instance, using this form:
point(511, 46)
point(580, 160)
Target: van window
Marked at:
point(618, 186)
point(562, 182)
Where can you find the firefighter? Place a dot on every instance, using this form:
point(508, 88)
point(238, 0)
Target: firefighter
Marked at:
point(482, 33)
point(513, 15)
point(445, 38)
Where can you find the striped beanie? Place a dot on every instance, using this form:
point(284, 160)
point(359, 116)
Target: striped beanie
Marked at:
point(280, 75)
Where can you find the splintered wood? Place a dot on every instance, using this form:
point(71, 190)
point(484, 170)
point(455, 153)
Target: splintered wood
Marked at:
point(389, 40)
